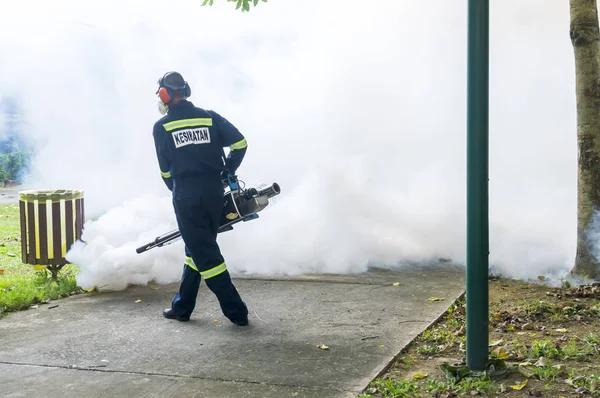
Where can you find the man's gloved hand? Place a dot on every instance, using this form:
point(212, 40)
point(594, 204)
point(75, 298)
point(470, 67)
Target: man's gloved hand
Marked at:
point(224, 178)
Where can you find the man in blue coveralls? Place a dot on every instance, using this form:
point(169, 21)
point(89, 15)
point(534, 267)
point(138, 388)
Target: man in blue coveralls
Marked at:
point(189, 145)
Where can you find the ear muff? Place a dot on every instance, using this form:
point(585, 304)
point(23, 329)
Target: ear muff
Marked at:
point(164, 91)
point(164, 94)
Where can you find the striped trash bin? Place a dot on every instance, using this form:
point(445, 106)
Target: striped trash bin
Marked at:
point(51, 221)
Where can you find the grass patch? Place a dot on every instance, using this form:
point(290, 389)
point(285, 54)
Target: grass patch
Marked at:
point(543, 342)
point(21, 286)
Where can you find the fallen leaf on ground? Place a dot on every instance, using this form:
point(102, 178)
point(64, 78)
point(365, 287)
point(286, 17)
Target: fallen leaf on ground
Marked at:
point(1, 271)
point(138, 301)
point(561, 330)
point(495, 343)
point(396, 284)
point(500, 353)
point(435, 299)
point(540, 362)
point(519, 386)
point(419, 376)
point(154, 287)
point(39, 267)
point(11, 254)
point(527, 363)
point(323, 346)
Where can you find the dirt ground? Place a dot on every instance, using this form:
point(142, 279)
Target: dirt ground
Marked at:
point(543, 342)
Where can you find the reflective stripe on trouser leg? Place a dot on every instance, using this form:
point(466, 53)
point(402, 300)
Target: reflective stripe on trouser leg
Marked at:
point(190, 262)
point(210, 273)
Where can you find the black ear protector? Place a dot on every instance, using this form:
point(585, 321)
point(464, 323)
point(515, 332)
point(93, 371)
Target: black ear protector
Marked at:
point(164, 90)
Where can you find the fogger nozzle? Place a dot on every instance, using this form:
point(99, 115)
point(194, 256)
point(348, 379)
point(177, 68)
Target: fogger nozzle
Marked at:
point(270, 190)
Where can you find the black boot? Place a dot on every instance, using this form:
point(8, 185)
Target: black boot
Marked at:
point(241, 321)
point(168, 313)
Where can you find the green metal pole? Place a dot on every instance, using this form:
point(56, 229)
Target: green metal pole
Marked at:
point(477, 296)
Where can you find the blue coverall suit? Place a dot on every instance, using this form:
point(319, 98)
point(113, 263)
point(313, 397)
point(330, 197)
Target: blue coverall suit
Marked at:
point(189, 145)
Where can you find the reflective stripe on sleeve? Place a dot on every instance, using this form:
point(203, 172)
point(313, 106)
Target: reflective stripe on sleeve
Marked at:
point(165, 175)
point(206, 121)
point(241, 144)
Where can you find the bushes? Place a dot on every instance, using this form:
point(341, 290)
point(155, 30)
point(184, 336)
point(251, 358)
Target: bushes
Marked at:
point(13, 165)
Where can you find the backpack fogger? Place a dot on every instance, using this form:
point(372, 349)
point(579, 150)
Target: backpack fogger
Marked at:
point(240, 204)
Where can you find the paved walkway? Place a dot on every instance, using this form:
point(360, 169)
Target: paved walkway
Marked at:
point(109, 345)
point(9, 196)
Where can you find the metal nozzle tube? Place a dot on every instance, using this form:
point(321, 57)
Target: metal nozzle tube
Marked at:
point(270, 190)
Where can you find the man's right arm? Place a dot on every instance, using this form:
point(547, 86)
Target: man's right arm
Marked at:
point(162, 155)
point(232, 138)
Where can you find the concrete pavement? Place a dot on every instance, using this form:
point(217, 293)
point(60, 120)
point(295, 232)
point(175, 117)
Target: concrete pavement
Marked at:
point(9, 196)
point(109, 345)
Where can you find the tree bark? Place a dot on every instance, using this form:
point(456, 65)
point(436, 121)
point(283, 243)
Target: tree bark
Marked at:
point(585, 38)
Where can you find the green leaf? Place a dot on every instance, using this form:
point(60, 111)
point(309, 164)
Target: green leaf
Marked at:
point(239, 4)
point(255, 3)
point(246, 6)
point(205, 2)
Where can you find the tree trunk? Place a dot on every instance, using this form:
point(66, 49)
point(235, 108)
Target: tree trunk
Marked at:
point(585, 37)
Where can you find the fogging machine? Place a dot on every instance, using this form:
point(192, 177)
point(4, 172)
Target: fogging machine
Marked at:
point(240, 205)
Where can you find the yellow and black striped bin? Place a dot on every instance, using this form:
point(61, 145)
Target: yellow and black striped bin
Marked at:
point(51, 221)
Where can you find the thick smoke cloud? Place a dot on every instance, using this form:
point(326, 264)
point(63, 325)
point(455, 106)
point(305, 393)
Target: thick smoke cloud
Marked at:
point(358, 110)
